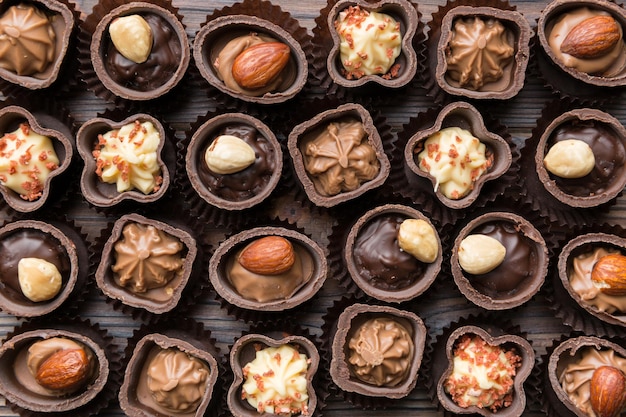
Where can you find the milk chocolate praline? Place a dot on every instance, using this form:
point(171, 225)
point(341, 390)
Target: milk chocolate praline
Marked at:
point(102, 194)
point(313, 261)
point(348, 325)
point(464, 116)
point(155, 298)
point(607, 138)
point(166, 65)
point(402, 12)
point(305, 132)
point(520, 275)
point(244, 351)
point(561, 78)
point(243, 189)
point(61, 20)
point(216, 33)
point(413, 275)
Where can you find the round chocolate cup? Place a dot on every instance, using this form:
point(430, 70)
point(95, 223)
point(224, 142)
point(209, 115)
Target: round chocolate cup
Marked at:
point(134, 387)
point(100, 41)
point(61, 137)
point(304, 132)
point(99, 193)
point(244, 351)
point(465, 116)
point(228, 248)
point(63, 26)
point(545, 24)
point(348, 323)
point(431, 270)
point(194, 159)
point(547, 179)
point(105, 276)
point(582, 244)
point(514, 73)
point(19, 395)
point(556, 400)
point(13, 301)
point(493, 337)
point(216, 33)
point(403, 12)
point(494, 300)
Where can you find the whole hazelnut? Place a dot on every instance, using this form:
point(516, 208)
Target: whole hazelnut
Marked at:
point(479, 254)
point(418, 238)
point(39, 279)
point(229, 154)
point(571, 158)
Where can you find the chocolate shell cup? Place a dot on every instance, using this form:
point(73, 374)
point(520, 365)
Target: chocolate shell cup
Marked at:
point(244, 351)
point(167, 61)
point(138, 399)
point(575, 264)
point(583, 355)
point(261, 291)
point(120, 274)
point(242, 189)
point(606, 137)
point(21, 389)
point(443, 368)
point(557, 69)
point(35, 69)
point(464, 116)
point(102, 194)
point(405, 65)
point(521, 273)
point(216, 34)
point(303, 136)
point(512, 65)
point(12, 117)
point(377, 264)
point(348, 328)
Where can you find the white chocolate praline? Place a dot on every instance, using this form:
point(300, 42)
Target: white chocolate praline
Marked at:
point(128, 157)
point(456, 159)
point(571, 158)
point(370, 42)
point(479, 254)
point(419, 238)
point(26, 160)
point(229, 154)
point(276, 381)
point(39, 279)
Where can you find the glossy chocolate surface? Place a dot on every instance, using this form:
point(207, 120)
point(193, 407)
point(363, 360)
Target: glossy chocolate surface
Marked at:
point(379, 257)
point(251, 181)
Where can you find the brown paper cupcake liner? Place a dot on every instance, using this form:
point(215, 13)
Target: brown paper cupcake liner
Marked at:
point(535, 193)
point(420, 190)
point(322, 45)
point(101, 337)
point(87, 28)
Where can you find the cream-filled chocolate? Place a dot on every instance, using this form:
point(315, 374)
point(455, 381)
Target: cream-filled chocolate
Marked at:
point(339, 158)
point(162, 63)
point(608, 151)
point(480, 53)
point(29, 243)
point(250, 181)
point(148, 261)
point(575, 378)
point(579, 275)
point(27, 40)
point(606, 60)
point(176, 381)
point(379, 258)
point(381, 352)
point(370, 42)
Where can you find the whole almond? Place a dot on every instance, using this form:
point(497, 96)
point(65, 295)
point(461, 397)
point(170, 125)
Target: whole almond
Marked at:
point(270, 255)
point(260, 64)
point(592, 38)
point(609, 274)
point(607, 391)
point(64, 370)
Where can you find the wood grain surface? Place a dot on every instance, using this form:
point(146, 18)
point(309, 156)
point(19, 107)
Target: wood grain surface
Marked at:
point(519, 114)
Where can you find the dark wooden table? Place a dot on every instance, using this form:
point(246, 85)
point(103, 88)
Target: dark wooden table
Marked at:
point(519, 114)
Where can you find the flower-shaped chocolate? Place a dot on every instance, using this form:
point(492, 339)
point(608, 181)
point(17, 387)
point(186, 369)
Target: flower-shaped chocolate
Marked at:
point(477, 155)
